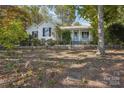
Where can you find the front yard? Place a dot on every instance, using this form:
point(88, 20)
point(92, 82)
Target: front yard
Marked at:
point(61, 68)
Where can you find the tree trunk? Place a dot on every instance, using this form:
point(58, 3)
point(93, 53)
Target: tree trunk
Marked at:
point(101, 47)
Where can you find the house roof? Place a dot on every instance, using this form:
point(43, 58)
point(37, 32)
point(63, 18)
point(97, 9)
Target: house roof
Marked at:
point(75, 27)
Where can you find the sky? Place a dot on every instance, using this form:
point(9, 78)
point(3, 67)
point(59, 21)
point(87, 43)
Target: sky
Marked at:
point(80, 20)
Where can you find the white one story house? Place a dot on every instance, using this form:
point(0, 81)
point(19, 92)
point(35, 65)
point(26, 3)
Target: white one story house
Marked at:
point(46, 30)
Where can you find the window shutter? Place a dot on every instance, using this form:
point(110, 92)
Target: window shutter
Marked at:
point(43, 31)
point(49, 31)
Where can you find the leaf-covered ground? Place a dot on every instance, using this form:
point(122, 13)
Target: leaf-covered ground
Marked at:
point(61, 68)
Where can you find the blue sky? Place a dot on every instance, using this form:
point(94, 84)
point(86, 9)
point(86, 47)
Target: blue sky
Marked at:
point(80, 20)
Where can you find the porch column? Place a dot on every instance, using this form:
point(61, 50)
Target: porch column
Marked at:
point(79, 31)
point(90, 36)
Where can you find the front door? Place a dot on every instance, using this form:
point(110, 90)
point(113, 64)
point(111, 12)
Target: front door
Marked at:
point(76, 37)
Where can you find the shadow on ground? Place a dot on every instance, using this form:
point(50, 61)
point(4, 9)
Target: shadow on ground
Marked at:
point(64, 68)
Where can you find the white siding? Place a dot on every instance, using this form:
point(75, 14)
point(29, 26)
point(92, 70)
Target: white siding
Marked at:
point(39, 28)
point(34, 27)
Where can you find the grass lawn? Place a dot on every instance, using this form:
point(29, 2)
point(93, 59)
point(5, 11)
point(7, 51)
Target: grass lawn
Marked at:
point(61, 68)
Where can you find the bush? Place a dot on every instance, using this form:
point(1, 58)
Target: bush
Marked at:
point(61, 42)
point(51, 42)
point(12, 34)
point(36, 42)
point(66, 37)
point(32, 41)
point(43, 42)
point(115, 34)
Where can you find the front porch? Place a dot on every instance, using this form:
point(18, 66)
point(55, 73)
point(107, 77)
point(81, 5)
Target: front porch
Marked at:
point(79, 34)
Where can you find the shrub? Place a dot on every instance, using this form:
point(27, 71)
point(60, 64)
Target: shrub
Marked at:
point(115, 33)
point(31, 41)
point(66, 36)
point(26, 42)
point(43, 42)
point(12, 34)
point(51, 42)
point(36, 42)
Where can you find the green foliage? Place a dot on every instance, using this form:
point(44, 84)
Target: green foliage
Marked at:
point(35, 14)
point(12, 34)
point(51, 83)
point(36, 42)
point(116, 33)
point(40, 76)
point(66, 36)
point(31, 41)
point(10, 13)
point(66, 13)
point(121, 14)
point(15, 19)
point(26, 42)
point(51, 42)
point(90, 13)
point(13, 22)
point(43, 42)
point(58, 33)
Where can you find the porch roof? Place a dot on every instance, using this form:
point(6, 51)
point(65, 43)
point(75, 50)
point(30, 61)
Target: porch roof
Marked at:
point(75, 27)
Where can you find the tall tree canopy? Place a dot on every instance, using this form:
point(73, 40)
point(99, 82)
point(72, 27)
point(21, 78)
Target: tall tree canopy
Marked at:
point(66, 13)
point(37, 13)
point(13, 23)
point(10, 13)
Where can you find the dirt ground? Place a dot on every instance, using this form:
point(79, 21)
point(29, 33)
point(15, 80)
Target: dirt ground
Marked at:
point(43, 68)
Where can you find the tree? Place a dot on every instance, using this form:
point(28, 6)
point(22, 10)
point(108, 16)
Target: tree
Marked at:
point(37, 13)
point(13, 22)
point(10, 13)
point(89, 13)
point(65, 13)
point(12, 34)
point(112, 14)
point(101, 48)
point(120, 14)
point(116, 33)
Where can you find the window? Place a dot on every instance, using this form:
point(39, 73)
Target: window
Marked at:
point(47, 32)
point(35, 34)
point(85, 34)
